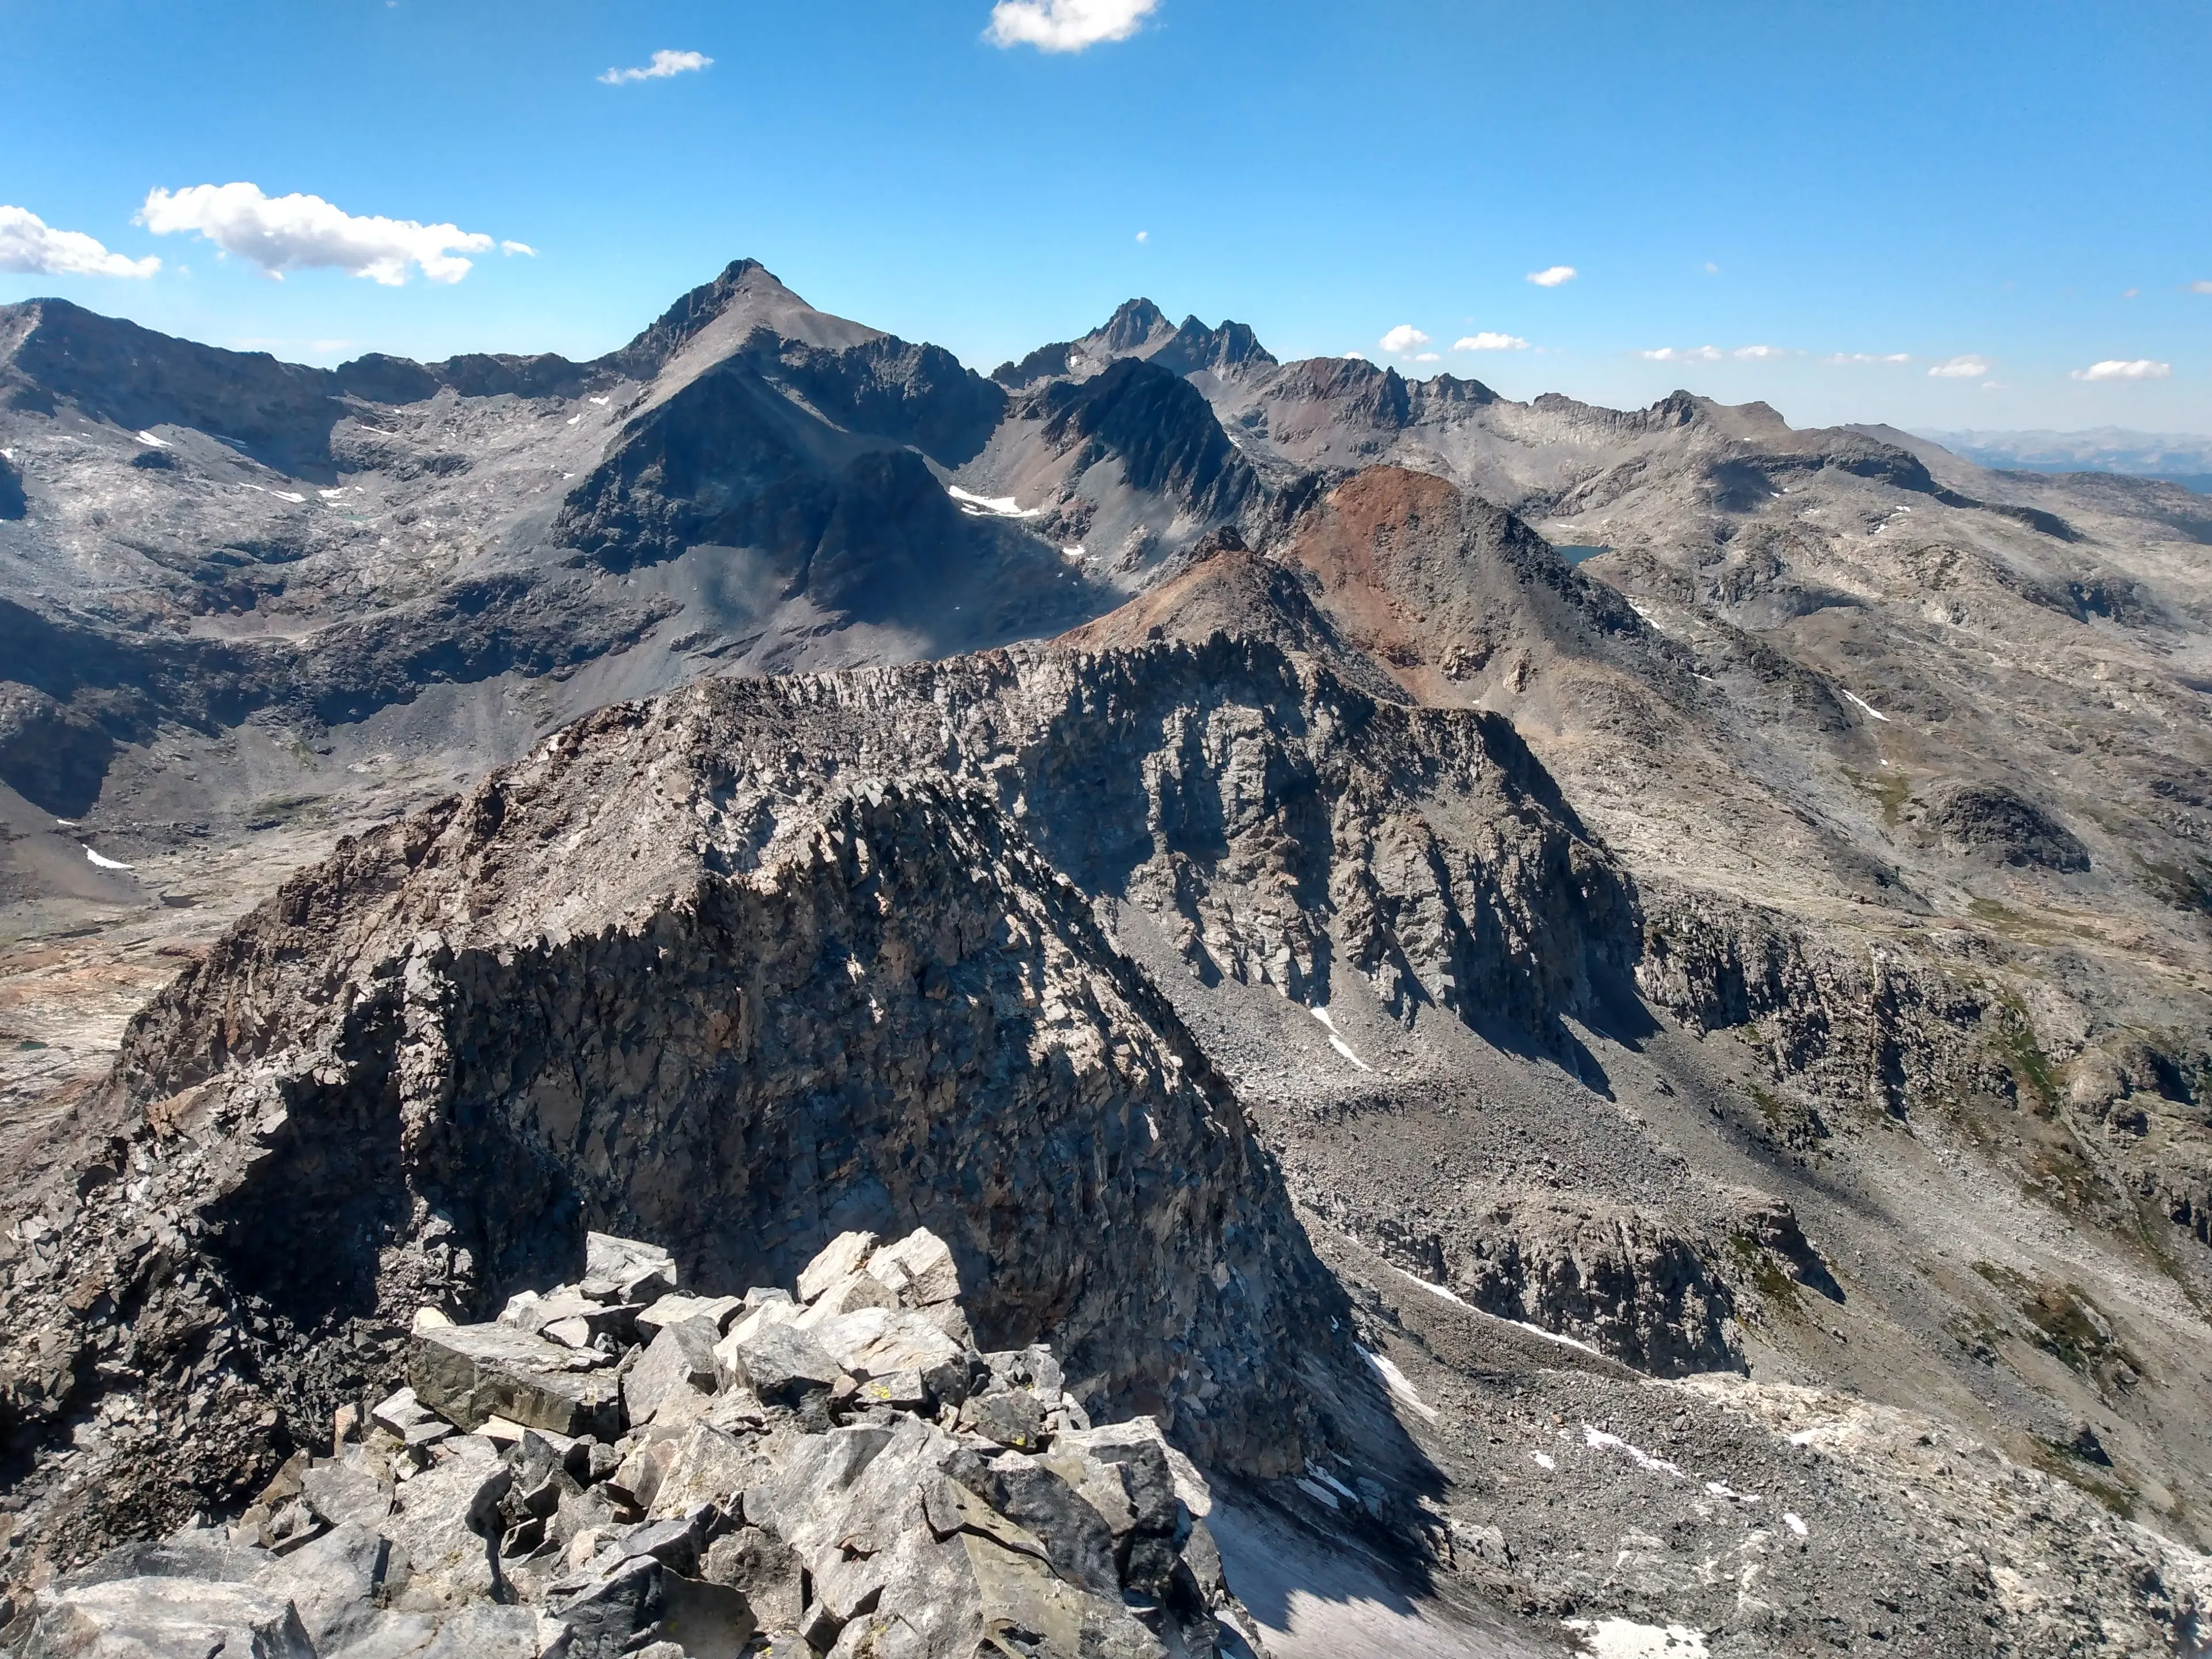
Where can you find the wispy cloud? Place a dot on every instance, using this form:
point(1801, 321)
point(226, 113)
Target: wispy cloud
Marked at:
point(664, 65)
point(1487, 341)
point(1403, 339)
point(1552, 275)
point(1760, 353)
point(523, 248)
point(1962, 368)
point(1869, 357)
point(2200, 288)
point(1711, 269)
point(298, 233)
point(2143, 368)
point(30, 247)
point(1704, 354)
point(1065, 25)
point(1144, 235)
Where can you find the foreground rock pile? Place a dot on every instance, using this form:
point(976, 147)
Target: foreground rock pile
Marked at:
point(619, 1467)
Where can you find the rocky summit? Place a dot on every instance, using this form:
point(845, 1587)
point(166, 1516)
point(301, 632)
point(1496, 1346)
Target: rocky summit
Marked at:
point(1357, 1018)
point(615, 1466)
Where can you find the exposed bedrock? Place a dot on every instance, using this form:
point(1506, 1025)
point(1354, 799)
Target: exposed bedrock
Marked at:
point(765, 961)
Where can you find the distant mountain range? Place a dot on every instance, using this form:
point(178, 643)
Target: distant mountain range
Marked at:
point(2182, 458)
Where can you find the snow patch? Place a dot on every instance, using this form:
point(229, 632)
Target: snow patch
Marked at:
point(1722, 1489)
point(281, 495)
point(1554, 1336)
point(106, 863)
point(1794, 1522)
point(1336, 1041)
point(1433, 1290)
point(1544, 1459)
point(1319, 1493)
point(1864, 704)
point(994, 507)
point(1398, 1384)
point(1624, 1638)
point(1643, 1459)
point(600, 401)
point(148, 438)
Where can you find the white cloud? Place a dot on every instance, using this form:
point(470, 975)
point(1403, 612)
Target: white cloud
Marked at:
point(1869, 357)
point(1404, 338)
point(523, 248)
point(1355, 356)
point(1962, 368)
point(2200, 288)
point(1065, 25)
point(2130, 293)
point(1144, 235)
point(32, 248)
point(1711, 269)
point(1684, 355)
point(1487, 341)
point(664, 65)
point(1758, 352)
point(2112, 369)
point(298, 233)
point(1428, 357)
point(1552, 275)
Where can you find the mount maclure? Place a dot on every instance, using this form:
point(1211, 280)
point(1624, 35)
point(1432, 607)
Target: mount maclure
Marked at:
point(615, 1466)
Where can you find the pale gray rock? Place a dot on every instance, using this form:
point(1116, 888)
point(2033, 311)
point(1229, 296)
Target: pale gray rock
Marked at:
point(840, 1257)
point(160, 1617)
point(781, 1364)
point(682, 1356)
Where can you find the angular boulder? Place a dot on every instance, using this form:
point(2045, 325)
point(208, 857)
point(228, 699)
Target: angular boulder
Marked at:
point(467, 1373)
point(681, 1356)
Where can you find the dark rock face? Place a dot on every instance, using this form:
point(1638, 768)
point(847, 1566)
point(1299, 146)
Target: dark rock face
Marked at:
point(1165, 432)
point(13, 502)
point(1990, 821)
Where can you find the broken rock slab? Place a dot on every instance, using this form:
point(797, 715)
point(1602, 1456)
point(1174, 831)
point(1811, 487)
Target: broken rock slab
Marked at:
point(150, 1616)
point(467, 1373)
point(638, 1272)
point(681, 1356)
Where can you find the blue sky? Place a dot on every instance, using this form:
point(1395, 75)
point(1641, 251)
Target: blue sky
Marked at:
point(2026, 187)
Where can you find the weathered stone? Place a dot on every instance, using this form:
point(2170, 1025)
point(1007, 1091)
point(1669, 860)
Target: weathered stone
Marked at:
point(674, 1543)
point(400, 1413)
point(1098, 1482)
point(855, 1290)
point(706, 1467)
point(575, 1312)
point(782, 1364)
point(924, 1269)
point(129, 1617)
point(608, 1612)
point(768, 1571)
point(470, 1372)
point(842, 1257)
point(1077, 1539)
point(335, 1584)
point(340, 1492)
point(448, 1527)
point(639, 1271)
point(675, 1309)
point(681, 1356)
point(878, 1342)
point(705, 1620)
point(1011, 1417)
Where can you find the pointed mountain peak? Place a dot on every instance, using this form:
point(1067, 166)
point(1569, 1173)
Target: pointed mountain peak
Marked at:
point(716, 317)
point(1130, 327)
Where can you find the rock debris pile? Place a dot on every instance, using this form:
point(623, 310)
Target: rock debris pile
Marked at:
point(620, 1466)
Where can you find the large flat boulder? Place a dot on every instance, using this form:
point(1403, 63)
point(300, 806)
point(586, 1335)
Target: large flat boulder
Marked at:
point(148, 1616)
point(467, 1373)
